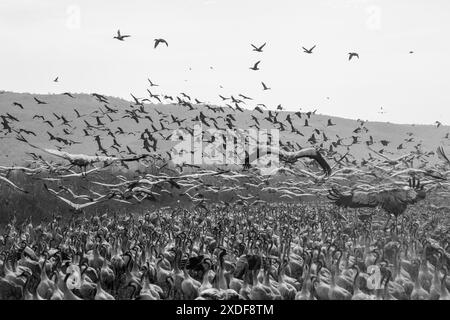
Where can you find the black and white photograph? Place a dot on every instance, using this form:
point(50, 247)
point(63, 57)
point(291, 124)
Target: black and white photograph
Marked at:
point(240, 151)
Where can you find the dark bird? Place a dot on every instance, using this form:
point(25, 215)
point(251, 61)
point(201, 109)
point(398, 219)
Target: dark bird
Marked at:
point(351, 55)
point(136, 100)
point(69, 95)
point(78, 113)
point(99, 122)
point(49, 123)
point(186, 96)
point(56, 79)
point(393, 201)
point(121, 37)
point(39, 101)
point(10, 116)
point(158, 41)
point(244, 97)
point(100, 97)
point(65, 121)
point(151, 83)
point(258, 49)
point(21, 138)
point(27, 132)
point(309, 51)
point(264, 86)
point(18, 105)
point(36, 116)
point(258, 109)
point(99, 144)
point(5, 124)
point(238, 107)
point(329, 124)
point(255, 66)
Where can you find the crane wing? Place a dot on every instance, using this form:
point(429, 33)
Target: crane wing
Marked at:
point(2, 178)
point(441, 154)
point(357, 199)
point(311, 153)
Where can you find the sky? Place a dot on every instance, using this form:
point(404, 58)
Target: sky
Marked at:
point(209, 52)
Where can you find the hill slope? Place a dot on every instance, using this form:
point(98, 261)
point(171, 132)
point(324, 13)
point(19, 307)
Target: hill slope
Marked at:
point(425, 137)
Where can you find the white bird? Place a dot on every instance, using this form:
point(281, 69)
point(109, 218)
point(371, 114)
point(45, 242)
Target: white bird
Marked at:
point(79, 207)
point(82, 160)
point(2, 178)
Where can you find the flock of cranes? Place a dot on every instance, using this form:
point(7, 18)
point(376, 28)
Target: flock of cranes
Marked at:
point(231, 243)
point(378, 181)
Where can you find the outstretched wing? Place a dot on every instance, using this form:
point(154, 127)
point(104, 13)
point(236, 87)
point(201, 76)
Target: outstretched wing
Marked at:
point(358, 199)
point(2, 178)
point(292, 157)
point(441, 154)
point(311, 153)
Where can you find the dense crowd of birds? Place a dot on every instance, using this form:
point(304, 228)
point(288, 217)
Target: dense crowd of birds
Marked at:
point(269, 252)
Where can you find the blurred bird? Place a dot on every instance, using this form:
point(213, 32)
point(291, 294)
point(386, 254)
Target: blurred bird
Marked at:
point(158, 41)
point(352, 54)
point(258, 49)
point(121, 37)
point(309, 51)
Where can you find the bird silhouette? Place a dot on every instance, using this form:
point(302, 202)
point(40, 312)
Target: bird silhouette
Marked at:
point(18, 105)
point(255, 66)
point(152, 84)
point(258, 49)
point(39, 101)
point(309, 51)
point(352, 55)
point(120, 37)
point(264, 86)
point(158, 41)
point(99, 144)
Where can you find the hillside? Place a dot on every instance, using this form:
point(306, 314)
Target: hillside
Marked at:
point(13, 152)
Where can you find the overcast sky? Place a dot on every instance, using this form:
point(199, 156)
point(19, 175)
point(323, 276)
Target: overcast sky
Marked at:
point(74, 40)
